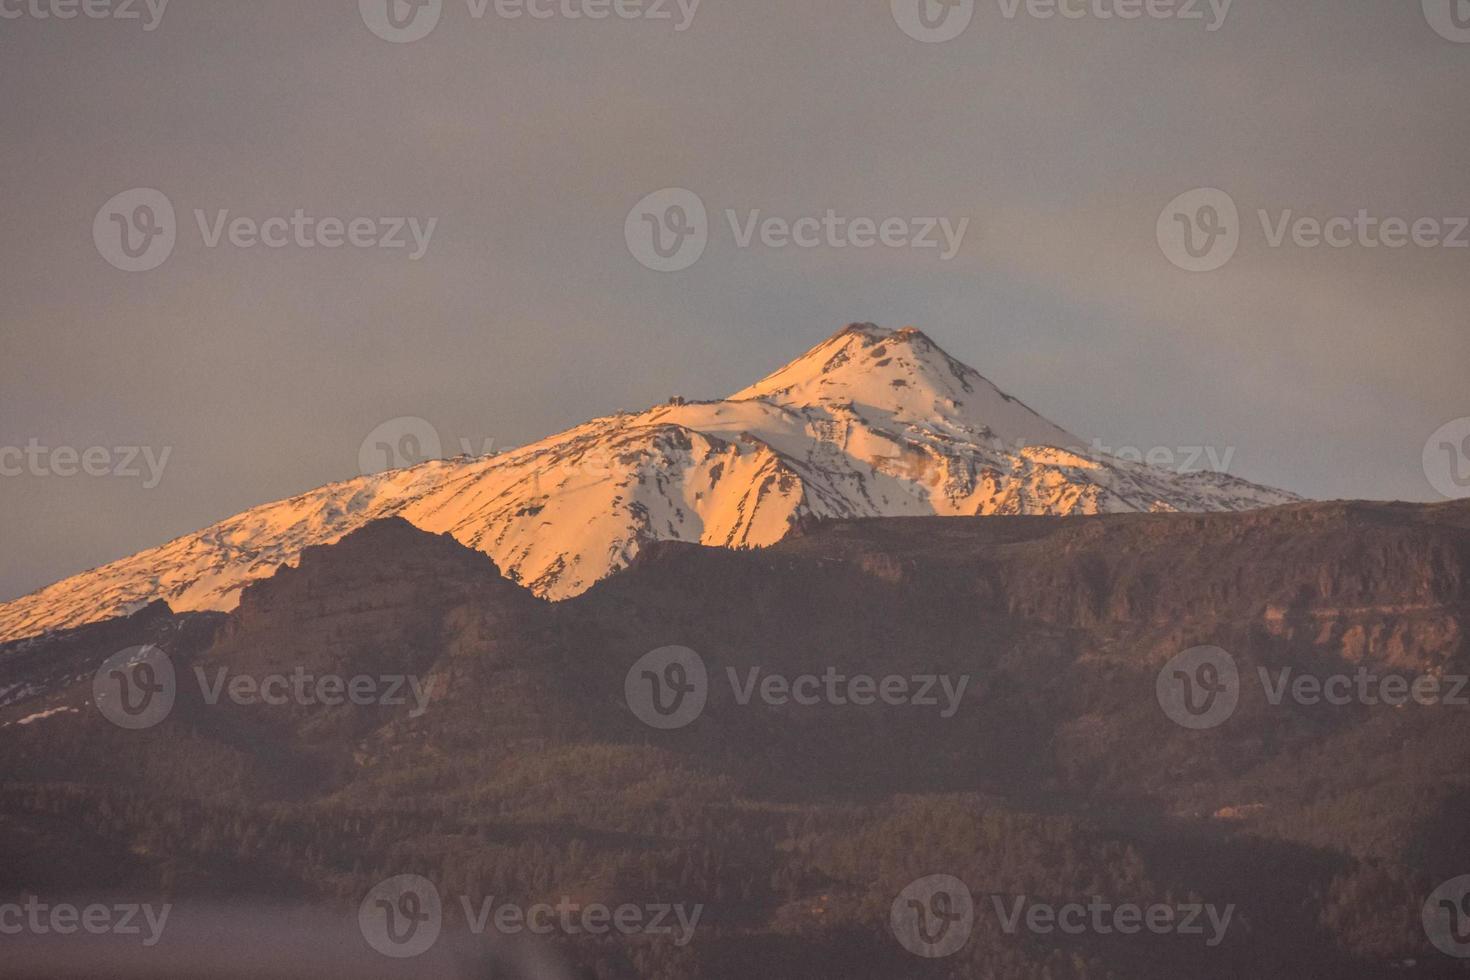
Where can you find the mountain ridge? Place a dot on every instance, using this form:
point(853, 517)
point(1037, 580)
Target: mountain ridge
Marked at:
point(870, 422)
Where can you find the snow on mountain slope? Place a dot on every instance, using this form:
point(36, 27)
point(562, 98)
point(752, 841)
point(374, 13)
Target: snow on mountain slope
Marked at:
point(904, 375)
point(869, 423)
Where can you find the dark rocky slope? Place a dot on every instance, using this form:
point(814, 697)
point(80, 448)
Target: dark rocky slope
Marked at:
point(1059, 775)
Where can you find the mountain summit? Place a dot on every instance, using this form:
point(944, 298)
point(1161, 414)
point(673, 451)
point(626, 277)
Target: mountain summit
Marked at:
point(904, 376)
point(869, 423)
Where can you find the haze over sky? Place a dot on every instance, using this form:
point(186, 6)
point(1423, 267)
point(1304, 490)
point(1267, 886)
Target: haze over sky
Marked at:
point(262, 370)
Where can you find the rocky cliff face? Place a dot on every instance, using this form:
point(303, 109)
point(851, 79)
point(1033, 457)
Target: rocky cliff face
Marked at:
point(1057, 774)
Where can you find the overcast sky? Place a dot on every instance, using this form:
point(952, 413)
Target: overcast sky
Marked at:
point(261, 370)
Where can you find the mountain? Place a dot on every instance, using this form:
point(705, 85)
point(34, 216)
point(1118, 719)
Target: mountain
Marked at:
point(869, 423)
point(794, 825)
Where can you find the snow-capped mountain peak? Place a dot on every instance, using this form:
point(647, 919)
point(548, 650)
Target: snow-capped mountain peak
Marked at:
point(869, 423)
point(904, 375)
